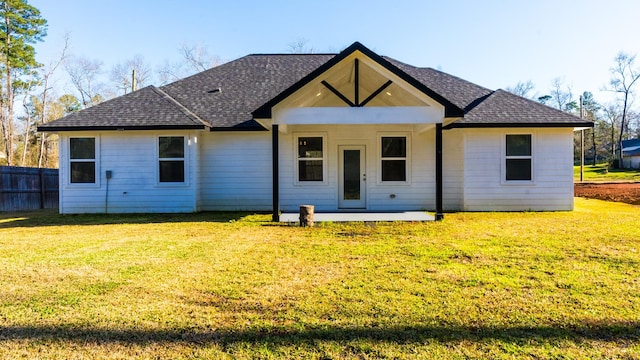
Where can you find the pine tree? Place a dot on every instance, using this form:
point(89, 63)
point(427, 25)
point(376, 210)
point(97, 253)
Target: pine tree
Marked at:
point(21, 25)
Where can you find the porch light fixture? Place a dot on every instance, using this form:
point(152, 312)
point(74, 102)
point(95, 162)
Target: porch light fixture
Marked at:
point(318, 94)
point(388, 93)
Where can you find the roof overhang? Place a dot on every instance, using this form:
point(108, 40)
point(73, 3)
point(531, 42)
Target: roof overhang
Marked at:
point(574, 125)
point(119, 128)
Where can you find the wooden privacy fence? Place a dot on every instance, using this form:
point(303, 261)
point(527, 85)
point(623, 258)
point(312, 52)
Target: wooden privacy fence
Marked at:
point(23, 188)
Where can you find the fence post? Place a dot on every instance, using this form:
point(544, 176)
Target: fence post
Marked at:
point(42, 190)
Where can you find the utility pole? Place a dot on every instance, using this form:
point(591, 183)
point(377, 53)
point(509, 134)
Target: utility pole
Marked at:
point(581, 145)
point(133, 81)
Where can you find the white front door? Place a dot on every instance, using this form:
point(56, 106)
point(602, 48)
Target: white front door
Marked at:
point(352, 177)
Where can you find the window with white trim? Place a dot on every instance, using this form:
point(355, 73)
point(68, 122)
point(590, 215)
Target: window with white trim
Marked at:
point(171, 159)
point(518, 158)
point(310, 158)
point(82, 160)
point(393, 158)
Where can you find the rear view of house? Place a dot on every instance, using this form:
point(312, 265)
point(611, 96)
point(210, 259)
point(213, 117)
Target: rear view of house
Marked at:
point(353, 131)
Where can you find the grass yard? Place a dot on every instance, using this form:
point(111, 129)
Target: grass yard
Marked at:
point(480, 285)
point(601, 173)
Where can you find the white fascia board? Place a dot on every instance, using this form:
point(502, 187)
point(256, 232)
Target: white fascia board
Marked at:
point(359, 115)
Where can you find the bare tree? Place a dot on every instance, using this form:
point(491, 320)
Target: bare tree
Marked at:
point(624, 76)
point(522, 88)
point(121, 74)
point(562, 99)
point(299, 46)
point(197, 57)
point(612, 115)
point(46, 75)
point(84, 75)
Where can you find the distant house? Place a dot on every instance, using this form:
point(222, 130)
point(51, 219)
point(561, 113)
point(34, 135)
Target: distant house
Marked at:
point(631, 154)
point(353, 131)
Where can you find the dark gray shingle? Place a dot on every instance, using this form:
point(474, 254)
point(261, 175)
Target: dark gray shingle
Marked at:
point(147, 108)
point(503, 108)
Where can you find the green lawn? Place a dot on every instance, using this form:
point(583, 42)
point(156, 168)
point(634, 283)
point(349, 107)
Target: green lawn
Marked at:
point(601, 173)
point(479, 285)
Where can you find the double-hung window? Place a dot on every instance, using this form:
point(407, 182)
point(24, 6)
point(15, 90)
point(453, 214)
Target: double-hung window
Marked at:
point(82, 160)
point(171, 159)
point(310, 158)
point(394, 158)
point(518, 159)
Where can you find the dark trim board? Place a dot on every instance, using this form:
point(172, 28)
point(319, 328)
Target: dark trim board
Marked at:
point(439, 214)
point(457, 125)
point(275, 216)
point(120, 128)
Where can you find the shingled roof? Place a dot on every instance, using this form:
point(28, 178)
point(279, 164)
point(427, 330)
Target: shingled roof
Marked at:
point(504, 109)
point(145, 109)
point(228, 96)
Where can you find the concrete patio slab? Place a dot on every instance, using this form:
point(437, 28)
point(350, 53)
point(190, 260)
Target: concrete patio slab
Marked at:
point(361, 216)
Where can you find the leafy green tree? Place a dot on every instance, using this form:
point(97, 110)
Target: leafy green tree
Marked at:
point(21, 25)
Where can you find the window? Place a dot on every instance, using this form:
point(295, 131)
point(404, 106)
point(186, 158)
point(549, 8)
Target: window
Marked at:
point(394, 158)
point(171, 159)
point(82, 160)
point(518, 157)
point(310, 158)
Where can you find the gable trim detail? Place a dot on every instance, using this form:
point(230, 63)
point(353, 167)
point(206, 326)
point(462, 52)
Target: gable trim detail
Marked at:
point(265, 111)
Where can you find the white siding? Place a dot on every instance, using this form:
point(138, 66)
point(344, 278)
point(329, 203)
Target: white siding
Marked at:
point(631, 162)
point(552, 185)
point(134, 188)
point(418, 194)
point(452, 169)
point(235, 171)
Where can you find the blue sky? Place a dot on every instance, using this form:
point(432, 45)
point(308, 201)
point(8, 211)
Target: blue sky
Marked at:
point(492, 43)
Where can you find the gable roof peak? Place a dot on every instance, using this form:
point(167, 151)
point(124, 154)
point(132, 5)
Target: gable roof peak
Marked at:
point(451, 110)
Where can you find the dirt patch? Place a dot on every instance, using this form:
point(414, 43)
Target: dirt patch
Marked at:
point(622, 192)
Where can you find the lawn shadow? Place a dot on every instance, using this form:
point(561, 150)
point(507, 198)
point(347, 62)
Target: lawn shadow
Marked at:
point(52, 218)
point(608, 332)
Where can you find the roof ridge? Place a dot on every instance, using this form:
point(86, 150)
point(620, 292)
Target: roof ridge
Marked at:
point(291, 54)
point(181, 107)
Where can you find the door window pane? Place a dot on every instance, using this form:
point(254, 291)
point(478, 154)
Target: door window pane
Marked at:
point(351, 171)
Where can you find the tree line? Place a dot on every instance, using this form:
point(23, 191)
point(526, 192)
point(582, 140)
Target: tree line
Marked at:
point(614, 121)
point(29, 97)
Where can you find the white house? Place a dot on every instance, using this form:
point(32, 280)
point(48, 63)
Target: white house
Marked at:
point(353, 131)
point(631, 154)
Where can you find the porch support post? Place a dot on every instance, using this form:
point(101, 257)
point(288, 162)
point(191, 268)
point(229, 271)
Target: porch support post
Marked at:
point(439, 213)
point(275, 169)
